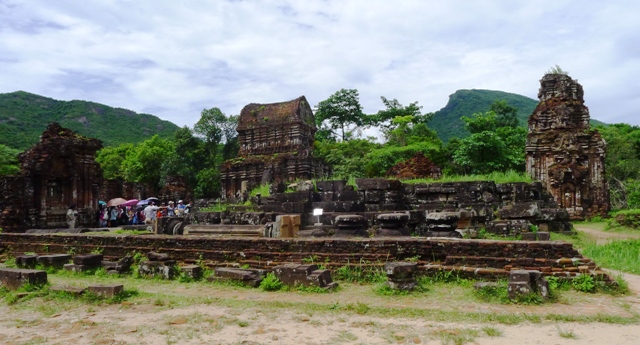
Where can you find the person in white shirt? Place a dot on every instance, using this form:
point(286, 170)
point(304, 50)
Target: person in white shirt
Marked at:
point(150, 213)
point(71, 216)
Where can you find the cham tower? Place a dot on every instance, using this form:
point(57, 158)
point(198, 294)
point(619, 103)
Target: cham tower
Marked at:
point(563, 152)
point(276, 144)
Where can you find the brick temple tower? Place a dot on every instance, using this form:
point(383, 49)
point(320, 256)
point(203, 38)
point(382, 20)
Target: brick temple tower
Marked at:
point(276, 143)
point(563, 152)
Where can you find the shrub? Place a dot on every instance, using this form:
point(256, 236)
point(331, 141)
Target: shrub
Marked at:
point(270, 283)
point(584, 283)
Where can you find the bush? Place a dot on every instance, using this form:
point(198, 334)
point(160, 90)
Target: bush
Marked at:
point(628, 218)
point(270, 283)
point(584, 283)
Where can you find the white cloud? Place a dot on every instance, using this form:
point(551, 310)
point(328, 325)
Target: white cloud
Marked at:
point(174, 58)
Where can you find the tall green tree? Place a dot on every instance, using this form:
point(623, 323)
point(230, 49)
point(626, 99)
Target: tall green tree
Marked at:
point(111, 160)
point(9, 164)
point(342, 111)
point(622, 164)
point(506, 115)
point(393, 109)
point(145, 163)
point(494, 144)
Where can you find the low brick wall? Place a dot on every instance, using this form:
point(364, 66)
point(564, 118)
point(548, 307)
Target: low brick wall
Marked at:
point(264, 252)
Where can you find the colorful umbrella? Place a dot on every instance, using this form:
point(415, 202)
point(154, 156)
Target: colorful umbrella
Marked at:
point(116, 202)
point(131, 202)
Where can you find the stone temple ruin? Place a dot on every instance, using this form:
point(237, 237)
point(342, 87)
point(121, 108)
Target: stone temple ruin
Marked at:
point(59, 171)
point(276, 142)
point(563, 152)
point(374, 221)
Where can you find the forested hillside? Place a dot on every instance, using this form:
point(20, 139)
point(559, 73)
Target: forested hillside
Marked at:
point(447, 123)
point(23, 117)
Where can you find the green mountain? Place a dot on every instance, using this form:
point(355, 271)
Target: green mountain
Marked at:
point(24, 116)
point(447, 123)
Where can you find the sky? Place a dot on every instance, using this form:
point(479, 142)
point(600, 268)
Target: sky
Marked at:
point(174, 58)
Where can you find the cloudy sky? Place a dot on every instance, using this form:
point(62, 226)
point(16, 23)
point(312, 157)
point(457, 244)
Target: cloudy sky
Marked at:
point(172, 58)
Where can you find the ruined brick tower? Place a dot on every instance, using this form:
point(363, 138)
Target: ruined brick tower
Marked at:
point(276, 142)
point(563, 152)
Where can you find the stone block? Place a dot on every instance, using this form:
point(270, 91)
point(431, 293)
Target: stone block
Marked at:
point(524, 210)
point(347, 195)
point(121, 266)
point(26, 261)
point(400, 270)
point(106, 290)
point(528, 236)
point(515, 289)
point(13, 278)
point(543, 236)
point(77, 268)
point(192, 271)
point(520, 276)
point(377, 183)
point(153, 256)
point(246, 276)
point(321, 278)
point(294, 274)
point(402, 285)
point(350, 221)
point(157, 269)
point(71, 290)
point(88, 259)
point(392, 220)
point(442, 217)
point(54, 260)
point(373, 196)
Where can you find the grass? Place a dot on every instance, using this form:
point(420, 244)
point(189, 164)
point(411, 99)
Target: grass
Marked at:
point(497, 177)
point(568, 334)
point(622, 255)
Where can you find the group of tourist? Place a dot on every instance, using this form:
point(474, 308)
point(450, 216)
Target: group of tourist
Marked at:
point(113, 216)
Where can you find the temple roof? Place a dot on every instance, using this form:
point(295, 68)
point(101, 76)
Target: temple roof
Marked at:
point(261, 115)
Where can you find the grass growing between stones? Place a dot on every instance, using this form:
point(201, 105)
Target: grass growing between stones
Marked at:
point(497, 177)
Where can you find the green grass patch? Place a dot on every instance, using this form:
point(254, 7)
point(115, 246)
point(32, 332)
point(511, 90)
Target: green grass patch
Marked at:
point(498, 177)
point(622, 255)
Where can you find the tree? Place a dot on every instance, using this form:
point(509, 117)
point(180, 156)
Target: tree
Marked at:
point(341, 110)
point(507, 116)
point(394, 109)
point(145, 162)
point(496, 143)
point(111, 160)
point(9, 164)
point(210, 128)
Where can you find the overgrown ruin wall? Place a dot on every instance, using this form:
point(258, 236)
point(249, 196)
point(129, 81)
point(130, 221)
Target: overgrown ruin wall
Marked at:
point(548, 257)
point(563, 152)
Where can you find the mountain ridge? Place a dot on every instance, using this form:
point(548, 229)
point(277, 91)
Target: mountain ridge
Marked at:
point(24, 115)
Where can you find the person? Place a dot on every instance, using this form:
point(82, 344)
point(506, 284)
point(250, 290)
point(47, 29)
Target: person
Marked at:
point(180, 208)
point(150, 213)
point(71, 216)
point(171, 210)
point(105, 217)
point(113, 217)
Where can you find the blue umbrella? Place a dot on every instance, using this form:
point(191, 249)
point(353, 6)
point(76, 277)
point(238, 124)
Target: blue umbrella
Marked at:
point(143, 203)
point(100, 202)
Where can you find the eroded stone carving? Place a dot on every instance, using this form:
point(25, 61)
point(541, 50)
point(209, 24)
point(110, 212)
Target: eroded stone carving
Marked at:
point(563, 152)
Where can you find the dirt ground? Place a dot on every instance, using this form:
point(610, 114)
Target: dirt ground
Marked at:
point(202, 313)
